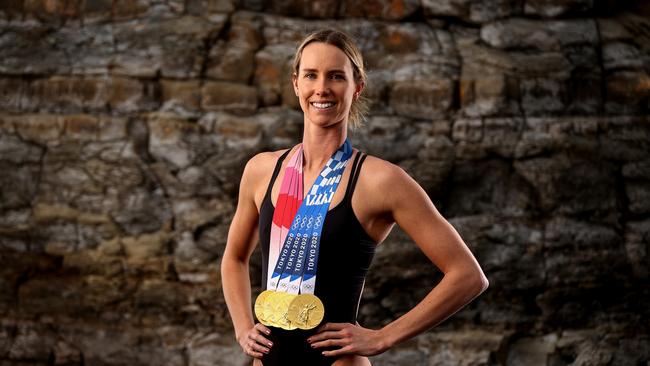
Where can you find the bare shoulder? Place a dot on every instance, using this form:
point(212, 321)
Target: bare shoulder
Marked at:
point(261, 165)
point(257, 174)
point(388, 185)
point(381, 173)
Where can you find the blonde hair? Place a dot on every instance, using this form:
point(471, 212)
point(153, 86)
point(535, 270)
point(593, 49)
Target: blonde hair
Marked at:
point(345, 43)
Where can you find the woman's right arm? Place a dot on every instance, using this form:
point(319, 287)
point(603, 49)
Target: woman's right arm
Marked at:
point(235, 279)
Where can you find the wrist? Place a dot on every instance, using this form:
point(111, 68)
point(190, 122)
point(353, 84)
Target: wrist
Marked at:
point(385, 339)
point(241, 333)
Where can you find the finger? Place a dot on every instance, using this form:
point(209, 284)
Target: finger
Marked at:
point(325, 335)
point(331, 326)
point(259, 338)
point(330, 343)
point(262, 328)
point(256, 347)
point(339, 352)
point(251, 352)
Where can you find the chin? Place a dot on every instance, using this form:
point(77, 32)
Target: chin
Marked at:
point(322, 121)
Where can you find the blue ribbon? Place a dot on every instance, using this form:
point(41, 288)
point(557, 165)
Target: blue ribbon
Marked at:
point(299, 255)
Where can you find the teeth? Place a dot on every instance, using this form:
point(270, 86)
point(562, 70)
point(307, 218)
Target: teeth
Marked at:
point(322, 105)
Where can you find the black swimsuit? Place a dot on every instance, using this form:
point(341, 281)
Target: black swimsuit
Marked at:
point(345, 255)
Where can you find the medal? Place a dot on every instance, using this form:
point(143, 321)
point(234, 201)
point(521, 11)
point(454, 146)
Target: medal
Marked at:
point(261, 306)
point(280, 302)
point(289, 301)
point(306, 311)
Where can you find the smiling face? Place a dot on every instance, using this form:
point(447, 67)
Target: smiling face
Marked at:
point(325, 84)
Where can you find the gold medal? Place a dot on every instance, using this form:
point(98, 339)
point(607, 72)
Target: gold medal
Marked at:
point(261, 307)
point(306, 311)
point(278, 308)
point(270, 308)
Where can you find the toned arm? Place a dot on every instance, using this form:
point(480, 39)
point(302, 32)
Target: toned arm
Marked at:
point(242, 240)
point(463, 278)
point(389, 196)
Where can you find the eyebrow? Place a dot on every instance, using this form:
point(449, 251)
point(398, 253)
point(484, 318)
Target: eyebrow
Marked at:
point(330, 71)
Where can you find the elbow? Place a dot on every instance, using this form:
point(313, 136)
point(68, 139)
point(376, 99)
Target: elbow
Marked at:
point(471, 282)
point(475, 282)
point(480, 282)
point(227, 265)
point(484, 283)
point(223, 265)
point(231, 263)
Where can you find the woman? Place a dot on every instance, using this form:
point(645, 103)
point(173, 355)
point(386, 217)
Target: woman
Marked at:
point(328, 78)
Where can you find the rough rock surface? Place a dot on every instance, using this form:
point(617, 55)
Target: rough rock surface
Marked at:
point(125, 126)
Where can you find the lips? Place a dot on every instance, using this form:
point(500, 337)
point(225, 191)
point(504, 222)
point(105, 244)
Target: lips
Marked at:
point(323, 105)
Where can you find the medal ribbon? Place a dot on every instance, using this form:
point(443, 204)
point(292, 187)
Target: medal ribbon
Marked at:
point(287, 205)
point(296, 263)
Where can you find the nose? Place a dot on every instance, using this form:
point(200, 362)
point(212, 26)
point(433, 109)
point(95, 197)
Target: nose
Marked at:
point(322, 88)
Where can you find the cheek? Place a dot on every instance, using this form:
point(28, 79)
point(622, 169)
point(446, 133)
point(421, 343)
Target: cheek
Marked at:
point(349, 95)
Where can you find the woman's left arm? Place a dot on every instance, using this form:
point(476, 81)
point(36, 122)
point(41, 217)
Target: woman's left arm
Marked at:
point(463, 279)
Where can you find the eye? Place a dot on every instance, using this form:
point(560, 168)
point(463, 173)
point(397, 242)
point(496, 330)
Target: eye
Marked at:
point(338, 77)
point(310, 75)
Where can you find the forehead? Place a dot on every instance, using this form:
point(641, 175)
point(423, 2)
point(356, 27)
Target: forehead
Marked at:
point(318, 55)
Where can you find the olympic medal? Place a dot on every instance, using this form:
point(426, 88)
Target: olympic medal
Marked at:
point(279, 307)
point(269, 309)
point(261, 307)
point(306, 311)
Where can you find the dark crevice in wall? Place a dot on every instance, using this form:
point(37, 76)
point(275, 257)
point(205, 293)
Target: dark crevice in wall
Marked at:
point(417, 17)
point(609, 8)
point(208, 43)
point(138, 131)
point(455, 21)
point(603, 74)
point(455, 105)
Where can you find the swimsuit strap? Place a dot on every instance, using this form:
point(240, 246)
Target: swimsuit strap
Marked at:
point(276, 171)
point(354, 175)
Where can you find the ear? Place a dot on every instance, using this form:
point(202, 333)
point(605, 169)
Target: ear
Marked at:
point(359, 88)
point(294, 81)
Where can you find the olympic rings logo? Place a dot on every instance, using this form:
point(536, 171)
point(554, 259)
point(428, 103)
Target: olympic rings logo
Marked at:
point(295, 222)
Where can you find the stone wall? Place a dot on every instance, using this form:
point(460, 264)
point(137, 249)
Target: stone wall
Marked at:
point(125, 125)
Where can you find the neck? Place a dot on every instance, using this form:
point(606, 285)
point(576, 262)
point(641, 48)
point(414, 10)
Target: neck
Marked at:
point(320, 144)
